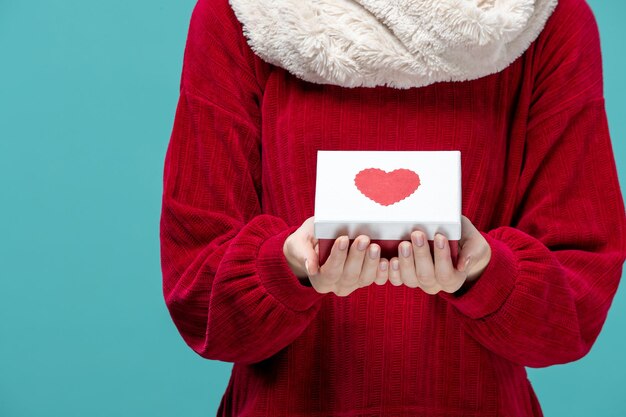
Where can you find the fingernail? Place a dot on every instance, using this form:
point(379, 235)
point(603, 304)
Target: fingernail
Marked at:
point(405, 250)
point(373, 252)
point(343, 243)
point(306, 266)
point(362, 244)
point(383, 266)
point(440, 241)
point(395, 265)
point(418, 239)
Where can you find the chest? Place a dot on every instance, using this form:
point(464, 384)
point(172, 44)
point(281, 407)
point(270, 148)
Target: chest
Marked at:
point(484, 119)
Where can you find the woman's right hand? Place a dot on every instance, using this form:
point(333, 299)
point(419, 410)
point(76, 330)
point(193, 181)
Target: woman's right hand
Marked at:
point(345, 270)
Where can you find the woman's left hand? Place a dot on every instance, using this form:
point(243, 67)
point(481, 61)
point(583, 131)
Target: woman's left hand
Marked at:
point(416, 267)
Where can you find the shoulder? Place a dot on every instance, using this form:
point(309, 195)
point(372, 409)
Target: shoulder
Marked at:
point(571, 27)
point(567, 54)
point(213, 24)
point(217, 16)
point(215, 38)
point(567, 8)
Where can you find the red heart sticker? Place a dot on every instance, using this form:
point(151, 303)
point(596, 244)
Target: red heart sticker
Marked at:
point(387, 188)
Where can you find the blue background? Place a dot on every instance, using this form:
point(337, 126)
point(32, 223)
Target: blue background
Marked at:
point(88, 92)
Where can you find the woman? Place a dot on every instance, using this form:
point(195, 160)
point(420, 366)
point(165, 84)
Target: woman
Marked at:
point(515, 86)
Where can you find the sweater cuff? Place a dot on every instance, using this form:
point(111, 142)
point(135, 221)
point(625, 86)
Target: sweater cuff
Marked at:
point(489, 292)
point(278, 278)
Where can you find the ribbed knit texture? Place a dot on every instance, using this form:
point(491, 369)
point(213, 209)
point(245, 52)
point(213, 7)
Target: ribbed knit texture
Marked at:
point(539, 182)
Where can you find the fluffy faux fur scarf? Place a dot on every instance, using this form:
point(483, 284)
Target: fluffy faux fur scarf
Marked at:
point(398, 43)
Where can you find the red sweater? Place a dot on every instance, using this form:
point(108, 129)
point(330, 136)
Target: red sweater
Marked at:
point(539, 181)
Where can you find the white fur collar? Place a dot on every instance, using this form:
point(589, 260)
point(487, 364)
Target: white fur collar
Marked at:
point(399, 43)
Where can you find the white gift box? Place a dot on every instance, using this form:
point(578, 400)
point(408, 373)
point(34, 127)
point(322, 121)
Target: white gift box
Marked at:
point(386, 195)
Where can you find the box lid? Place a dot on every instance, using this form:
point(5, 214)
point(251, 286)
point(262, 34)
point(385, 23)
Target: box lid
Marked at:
point(388, 194)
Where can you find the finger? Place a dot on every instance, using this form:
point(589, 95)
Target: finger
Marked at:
point(407, 265)
point(382, 273)
point(446, 274)
point(354, 262)
point(424, 267)
point(370, 265)
point(332, 268)
point(394, 272)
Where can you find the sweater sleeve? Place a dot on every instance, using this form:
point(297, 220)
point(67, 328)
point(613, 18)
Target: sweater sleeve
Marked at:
point(226, 282)
point(544, 296)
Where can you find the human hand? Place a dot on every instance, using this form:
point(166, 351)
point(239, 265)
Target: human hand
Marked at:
point(345, 270)
point(414, 266)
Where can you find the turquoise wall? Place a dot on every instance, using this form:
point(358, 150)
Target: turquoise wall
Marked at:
point(87, 98)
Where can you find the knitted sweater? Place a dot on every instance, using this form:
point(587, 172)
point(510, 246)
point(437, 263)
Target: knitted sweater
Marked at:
point(539, 182)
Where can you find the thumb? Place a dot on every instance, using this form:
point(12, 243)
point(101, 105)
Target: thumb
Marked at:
point(311, 262)
point(466, 254)
point(467, 243)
